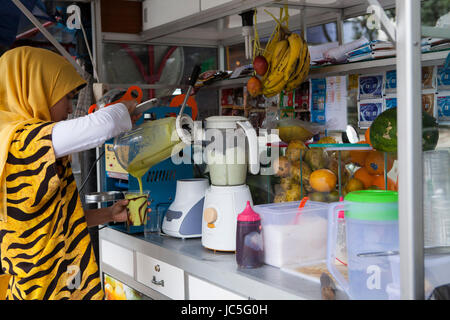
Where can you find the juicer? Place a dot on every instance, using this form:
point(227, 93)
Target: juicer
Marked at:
point(232, 152)
point(183, 219)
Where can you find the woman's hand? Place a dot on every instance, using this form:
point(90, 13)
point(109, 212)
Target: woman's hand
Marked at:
point(119, 210)
point(131, 106)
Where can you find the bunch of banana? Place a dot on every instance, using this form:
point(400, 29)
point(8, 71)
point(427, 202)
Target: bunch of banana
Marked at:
point(277, 36)
point(288, 64)
point(301, 69)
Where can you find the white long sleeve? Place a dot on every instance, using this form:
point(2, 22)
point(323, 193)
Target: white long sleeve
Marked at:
point(90, 131)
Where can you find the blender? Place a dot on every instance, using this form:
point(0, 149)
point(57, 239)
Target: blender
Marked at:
point(232, 151)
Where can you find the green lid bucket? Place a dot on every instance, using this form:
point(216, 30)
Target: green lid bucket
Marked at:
point(380, 205)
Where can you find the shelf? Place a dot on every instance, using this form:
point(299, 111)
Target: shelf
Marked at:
point(360, 67)
point(341, 146)
point(369, 66)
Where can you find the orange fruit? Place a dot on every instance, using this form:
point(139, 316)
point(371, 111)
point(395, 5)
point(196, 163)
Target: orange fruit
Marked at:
point(254, 86)
point(378, 182)
point(358, 157)
point(374, 163)
point(367, 135)
point(364, 176)
point(323, 180)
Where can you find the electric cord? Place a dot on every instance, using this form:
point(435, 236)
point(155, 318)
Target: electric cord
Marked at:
point(90, 171)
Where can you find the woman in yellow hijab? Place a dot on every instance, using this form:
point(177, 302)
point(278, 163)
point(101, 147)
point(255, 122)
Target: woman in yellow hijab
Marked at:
point(46, 250)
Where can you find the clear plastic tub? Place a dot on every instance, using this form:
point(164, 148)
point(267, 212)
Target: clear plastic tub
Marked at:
point(436, 274)
point(291, 235)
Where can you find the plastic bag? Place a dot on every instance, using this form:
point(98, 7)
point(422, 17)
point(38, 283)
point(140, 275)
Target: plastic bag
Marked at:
point(295, 129)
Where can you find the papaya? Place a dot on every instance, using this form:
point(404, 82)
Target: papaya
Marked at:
point(383, 131)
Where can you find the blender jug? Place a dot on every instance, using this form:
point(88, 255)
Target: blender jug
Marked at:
point(147, 145)
point(371, 218)
point(226, 154)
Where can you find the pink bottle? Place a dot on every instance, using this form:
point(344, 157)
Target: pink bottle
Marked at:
point(249, 242)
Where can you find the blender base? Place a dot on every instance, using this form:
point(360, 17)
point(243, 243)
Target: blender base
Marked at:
point(221, 208)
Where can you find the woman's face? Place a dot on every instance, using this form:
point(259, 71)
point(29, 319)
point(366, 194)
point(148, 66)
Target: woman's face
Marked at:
point(61, 110)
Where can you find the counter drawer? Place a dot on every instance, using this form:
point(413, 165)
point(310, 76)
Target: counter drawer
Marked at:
point(160, 276)
point(117, 257)
point(203, 290)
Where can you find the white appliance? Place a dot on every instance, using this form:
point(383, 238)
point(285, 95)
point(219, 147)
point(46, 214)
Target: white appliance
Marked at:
point(183, 219)
point(222, 206)
point(233, 150)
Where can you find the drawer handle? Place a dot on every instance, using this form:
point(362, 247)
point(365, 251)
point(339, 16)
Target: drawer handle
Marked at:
point(157, 268)
point(158, 283)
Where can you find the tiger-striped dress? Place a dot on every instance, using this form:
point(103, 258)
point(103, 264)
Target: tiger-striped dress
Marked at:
point(45, 245)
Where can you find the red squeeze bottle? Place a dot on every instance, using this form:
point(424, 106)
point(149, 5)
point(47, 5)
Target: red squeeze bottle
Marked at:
point(249, 242)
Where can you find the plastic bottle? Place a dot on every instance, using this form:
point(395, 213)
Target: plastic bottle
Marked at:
point(249, 242)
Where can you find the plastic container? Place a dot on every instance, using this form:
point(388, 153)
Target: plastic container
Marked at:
point(226, 154)
point(249, 242)
point(371, 218)
point(291, 235)
point(436, 274)
point(147, 145)
point(436, 197)
point(294, 129)
point(136, 208)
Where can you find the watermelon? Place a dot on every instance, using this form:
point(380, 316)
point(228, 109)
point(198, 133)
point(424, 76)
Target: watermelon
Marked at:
point(383, 131)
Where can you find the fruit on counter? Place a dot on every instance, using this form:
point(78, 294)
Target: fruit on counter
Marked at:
point(379, 183)
point(294, 193)
point(260, 65)
point(316, 158)
point(295, 172)
point(364, 176)
point(374, 163)
point(281, 166)
point(318, 196)
point(383, 131)
point(345, 156)
point(323, 180)
point(286, 183)
point(295, 149)
point(289, 133)
point(333, 196)
point(354, 184)
point(328, 139)
point(280, 197)
point(254, 86)
point(358, 157)
point(333, 165)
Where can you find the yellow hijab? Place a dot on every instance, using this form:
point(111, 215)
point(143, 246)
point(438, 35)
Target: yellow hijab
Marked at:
point(32, 80)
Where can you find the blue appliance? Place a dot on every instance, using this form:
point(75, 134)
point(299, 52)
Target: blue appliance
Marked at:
point(161, 179)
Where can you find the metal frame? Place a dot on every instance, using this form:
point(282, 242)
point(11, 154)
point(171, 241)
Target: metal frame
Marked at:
point(48, 35)
point(409, 132)
point(407, 34)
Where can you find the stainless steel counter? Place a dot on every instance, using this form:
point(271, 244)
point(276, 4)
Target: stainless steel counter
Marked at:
point(218, 268)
